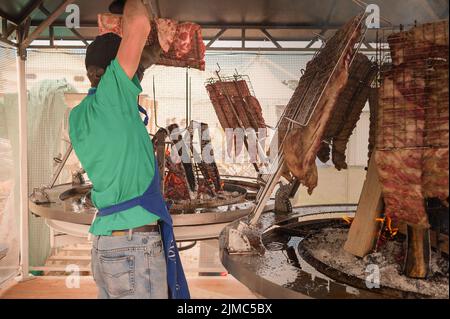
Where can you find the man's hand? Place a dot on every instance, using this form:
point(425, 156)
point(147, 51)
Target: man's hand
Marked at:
point(135, 29)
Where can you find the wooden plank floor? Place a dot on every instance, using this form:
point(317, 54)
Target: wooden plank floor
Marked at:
point(54, 287)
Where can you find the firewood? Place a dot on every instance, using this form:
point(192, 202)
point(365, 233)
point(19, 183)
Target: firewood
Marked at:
point(418, 252)
point(365, 227)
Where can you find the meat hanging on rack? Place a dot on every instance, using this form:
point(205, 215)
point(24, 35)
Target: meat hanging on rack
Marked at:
point(315, 100)
point(348, 110)
point(236, 106)
point(235, 90)
point(412, 131)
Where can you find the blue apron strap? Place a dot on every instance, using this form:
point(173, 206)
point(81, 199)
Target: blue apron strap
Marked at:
point(143, 111)
point(153, 202)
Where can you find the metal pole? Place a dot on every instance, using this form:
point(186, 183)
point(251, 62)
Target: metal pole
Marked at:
point(23, 166)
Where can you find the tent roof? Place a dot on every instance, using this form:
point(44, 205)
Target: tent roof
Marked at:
point(284, 20)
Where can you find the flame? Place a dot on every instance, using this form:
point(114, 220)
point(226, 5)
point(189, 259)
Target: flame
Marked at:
point(348, 219)
point(388, 231)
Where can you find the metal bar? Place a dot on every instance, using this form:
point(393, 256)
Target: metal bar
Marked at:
point(368, 45)
point(224, 49)
point(51, 28)
point(10, 30)
point(306, 26)
point(79, 36)
point(4, 27)
point(326, 22)
point(3, 14)
point(270, 26)
point(29, 10)
point(243, 38)
point(26, 28)
point(158, 8)
point(51, 32)
point(269, 36)
point(317, 37)
point(8, 42)
point(47, 22)
point(60, 166)
point(216, 37)
point(23, 166)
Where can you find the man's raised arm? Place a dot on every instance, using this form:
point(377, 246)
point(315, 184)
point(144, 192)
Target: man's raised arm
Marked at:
point(136, 28)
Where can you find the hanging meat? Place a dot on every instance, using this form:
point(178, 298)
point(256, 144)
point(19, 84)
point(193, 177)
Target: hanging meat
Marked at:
point(314, 102)
point(233, 94)
point(347, 111)
point(235, 106)
point(412, 131)
point(170, 43)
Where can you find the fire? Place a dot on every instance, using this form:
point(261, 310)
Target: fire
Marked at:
point(348, 219)
point(389, 231)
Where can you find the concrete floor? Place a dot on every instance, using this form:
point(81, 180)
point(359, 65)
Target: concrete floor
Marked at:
point(50, 287)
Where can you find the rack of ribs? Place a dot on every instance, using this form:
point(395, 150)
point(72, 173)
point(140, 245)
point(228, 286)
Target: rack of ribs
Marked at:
point(314, 102)
point(412, 130)
point(348, 111)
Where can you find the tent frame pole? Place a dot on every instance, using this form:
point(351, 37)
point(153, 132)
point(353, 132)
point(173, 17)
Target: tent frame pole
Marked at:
point(23, 166)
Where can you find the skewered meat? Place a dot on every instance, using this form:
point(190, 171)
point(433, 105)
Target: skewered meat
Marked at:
point(347, 111)
point(328, 71)
point(184, 153)
point(412, 131)
point(159, 145)
point(205, 161)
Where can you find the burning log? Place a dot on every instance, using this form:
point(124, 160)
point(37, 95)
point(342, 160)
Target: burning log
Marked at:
point(364, 231)
point(418, 252)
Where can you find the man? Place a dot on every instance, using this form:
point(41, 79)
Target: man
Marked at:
point(134, 254)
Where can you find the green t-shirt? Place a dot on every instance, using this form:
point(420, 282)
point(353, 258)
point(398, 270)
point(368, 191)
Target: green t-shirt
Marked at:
point(114, 148)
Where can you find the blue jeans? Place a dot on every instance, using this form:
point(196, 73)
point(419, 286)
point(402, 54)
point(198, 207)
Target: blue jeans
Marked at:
point(125, 268)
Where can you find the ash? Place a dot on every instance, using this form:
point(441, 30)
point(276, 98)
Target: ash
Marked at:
point(327, 245)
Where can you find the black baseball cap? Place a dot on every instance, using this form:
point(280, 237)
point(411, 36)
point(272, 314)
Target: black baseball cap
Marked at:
point(102, 50)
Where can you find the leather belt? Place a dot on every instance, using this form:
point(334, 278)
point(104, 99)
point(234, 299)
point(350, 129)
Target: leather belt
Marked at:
point(142, 229)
